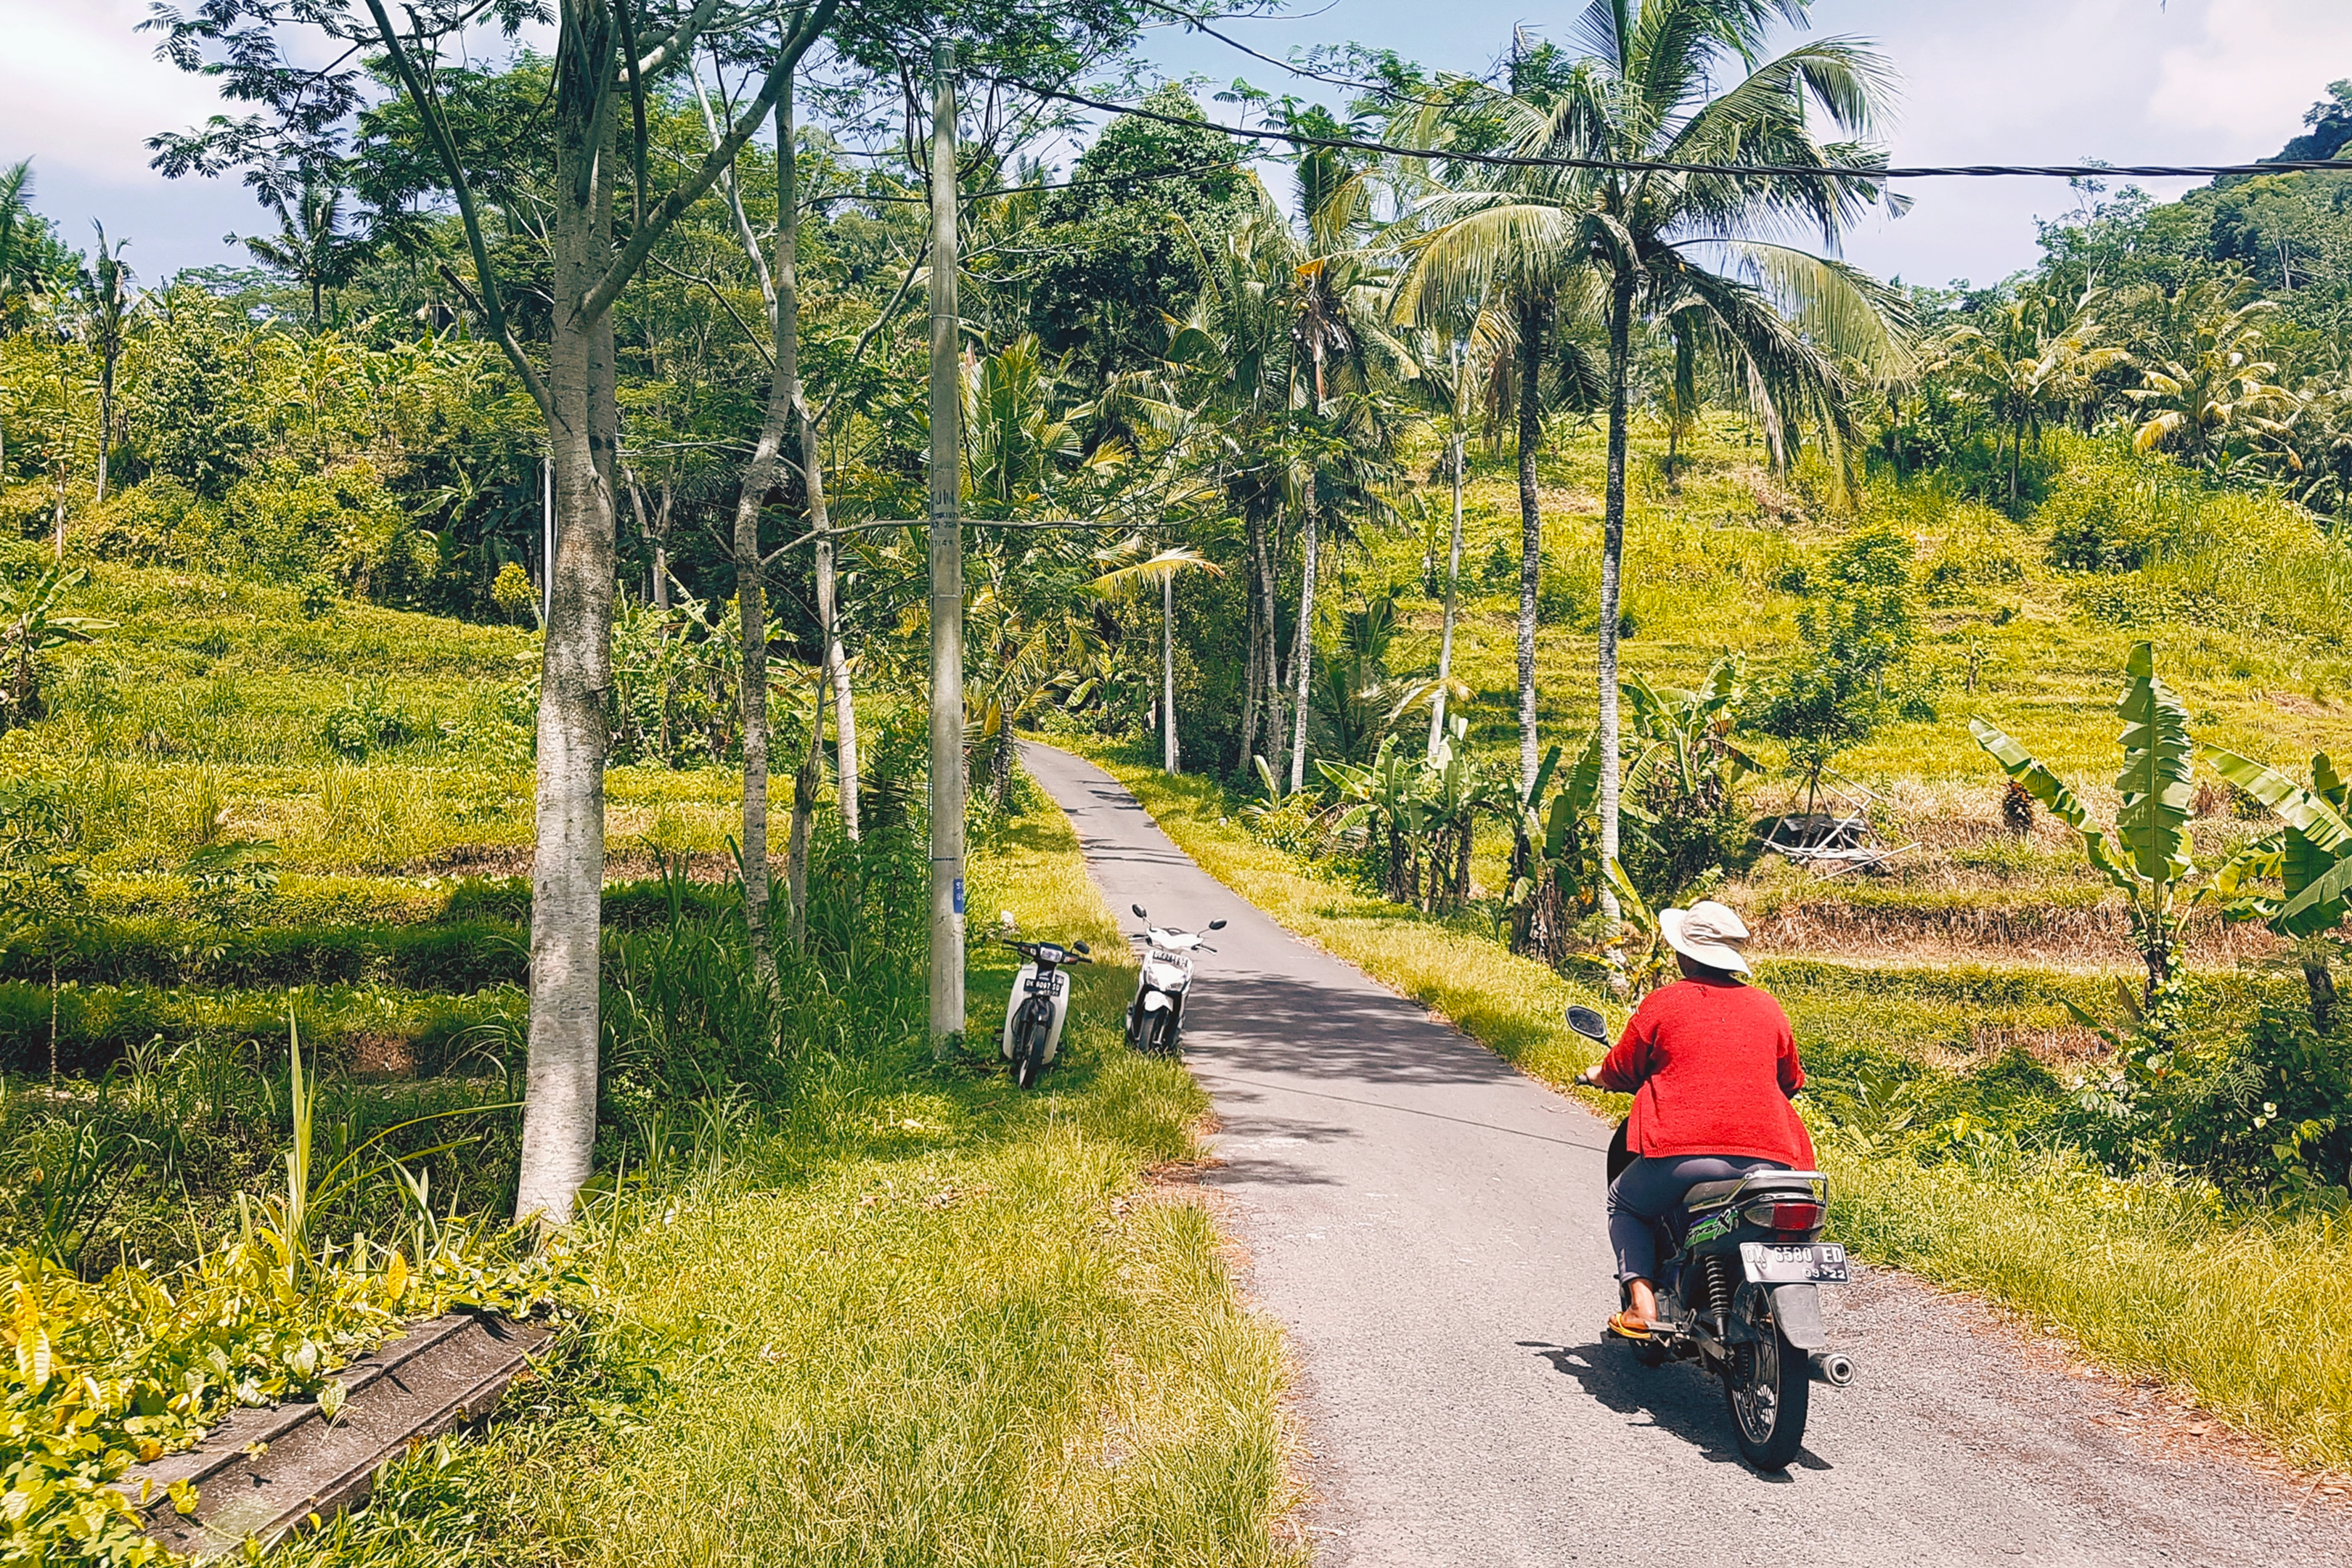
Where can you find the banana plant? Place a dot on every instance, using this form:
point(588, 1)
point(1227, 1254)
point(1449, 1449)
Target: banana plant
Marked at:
point(30, 625)
point(2148, 857)
point(1388, 797)
point(2310, 856)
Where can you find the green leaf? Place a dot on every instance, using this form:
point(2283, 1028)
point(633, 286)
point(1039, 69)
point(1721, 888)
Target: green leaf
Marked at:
point(2329, 893)
point(2055, 798)
point(2329, 783)
point(2153, 821)
point(2312, 815)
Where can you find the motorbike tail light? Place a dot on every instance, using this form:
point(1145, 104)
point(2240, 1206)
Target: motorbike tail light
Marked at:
point(1787, 1216)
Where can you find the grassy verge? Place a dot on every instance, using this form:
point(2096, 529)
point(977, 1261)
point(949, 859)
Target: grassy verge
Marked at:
point(2244, 1313)
point(916, 1317)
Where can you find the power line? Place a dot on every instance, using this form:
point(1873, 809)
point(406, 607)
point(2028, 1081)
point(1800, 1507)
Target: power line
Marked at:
point(1168, 174)
point(1862, 173)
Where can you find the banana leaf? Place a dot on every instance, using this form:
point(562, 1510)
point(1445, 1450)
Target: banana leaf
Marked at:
point(2058, 800)
point(2152, 824)
point(2312, 815)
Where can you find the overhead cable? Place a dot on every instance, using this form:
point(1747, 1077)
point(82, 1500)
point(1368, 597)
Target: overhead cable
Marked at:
point(1864, 173)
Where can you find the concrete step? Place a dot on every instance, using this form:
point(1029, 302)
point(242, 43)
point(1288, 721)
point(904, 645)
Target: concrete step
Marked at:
point(262, 1472)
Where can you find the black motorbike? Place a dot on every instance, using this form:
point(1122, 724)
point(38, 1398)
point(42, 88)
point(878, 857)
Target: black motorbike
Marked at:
point(1739, 1292)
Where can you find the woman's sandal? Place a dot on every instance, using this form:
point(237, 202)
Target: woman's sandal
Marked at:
point(1626, 1326)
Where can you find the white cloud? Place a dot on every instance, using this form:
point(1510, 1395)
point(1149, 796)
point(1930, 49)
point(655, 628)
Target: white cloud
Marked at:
point(80, 91)
point(2258, 62)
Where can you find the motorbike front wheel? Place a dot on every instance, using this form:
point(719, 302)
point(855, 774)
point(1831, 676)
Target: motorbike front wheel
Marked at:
point(1162, 1028)
point(1766, 1390)
point(1029, 1047)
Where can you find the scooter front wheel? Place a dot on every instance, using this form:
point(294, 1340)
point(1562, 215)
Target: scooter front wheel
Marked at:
point(1029, 1049)
point(1163, 1034)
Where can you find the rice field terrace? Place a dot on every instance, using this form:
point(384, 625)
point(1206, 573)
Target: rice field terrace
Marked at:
point(498, 731)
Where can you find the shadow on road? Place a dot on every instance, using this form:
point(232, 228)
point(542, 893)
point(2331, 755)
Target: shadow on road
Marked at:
point(1676, 1397)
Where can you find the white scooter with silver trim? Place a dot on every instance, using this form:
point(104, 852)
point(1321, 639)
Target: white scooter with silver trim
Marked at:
point(1040, 1001)
point(1155, 1018)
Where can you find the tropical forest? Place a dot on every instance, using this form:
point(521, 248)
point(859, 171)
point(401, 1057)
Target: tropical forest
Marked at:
point(535, 701)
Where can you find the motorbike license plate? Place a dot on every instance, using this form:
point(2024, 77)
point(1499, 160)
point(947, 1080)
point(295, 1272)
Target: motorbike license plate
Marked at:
point(1818, 1263)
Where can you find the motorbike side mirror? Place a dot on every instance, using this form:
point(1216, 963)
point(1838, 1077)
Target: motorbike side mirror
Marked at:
point(1139, 911)
point(1216, 925)
point(1083, 950)
point(1587, 1022)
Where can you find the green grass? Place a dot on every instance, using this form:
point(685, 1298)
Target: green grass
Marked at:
point(914, 1317)
point(2242, 1311)
point(1709, 572)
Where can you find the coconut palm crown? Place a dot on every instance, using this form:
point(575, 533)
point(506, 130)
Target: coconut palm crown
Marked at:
point(1713, 258)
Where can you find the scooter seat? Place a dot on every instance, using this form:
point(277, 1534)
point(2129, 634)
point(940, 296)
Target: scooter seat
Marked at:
point(1713, 1195)
point(1708, 1196)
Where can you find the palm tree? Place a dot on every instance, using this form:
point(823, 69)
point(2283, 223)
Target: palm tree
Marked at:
point(1285, 335)
point(108, 298)
point(28, 251)
point(1689, 252)
point(1456, 267)
point(1162, 569)
point(2206, 391)
point(2020, 358)
point(312, 247)
point(1335, 303)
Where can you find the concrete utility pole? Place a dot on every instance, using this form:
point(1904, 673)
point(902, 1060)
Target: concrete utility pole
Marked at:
point(1168, 667)
point(947, 576)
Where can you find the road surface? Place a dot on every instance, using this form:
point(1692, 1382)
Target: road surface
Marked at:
point(1426, 1224)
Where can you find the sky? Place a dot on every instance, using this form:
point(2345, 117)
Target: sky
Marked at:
point(2196, 81)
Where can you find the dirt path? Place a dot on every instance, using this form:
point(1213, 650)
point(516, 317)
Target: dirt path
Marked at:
point(1426, 1223)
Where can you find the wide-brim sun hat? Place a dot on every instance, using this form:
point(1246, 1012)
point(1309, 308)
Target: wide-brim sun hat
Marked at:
point(1705, 933)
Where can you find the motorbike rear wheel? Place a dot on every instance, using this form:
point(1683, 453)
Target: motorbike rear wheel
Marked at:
point(1766, 1390)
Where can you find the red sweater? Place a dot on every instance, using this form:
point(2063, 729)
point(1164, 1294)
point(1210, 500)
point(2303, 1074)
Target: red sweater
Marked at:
point(1710, 1069)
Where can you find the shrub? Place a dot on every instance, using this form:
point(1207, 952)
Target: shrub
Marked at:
point(366, 723)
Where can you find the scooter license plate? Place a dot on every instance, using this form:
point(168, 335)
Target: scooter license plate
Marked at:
point(1817, 1263)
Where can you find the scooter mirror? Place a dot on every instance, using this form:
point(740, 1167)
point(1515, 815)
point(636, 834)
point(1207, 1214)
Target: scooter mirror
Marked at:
point(1139, 911)
point(1083, 950)
point(1216, 925)
point(1587, 1022)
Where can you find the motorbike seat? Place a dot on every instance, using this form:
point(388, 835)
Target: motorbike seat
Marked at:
point(1708, 1196)
point(1713, 1195)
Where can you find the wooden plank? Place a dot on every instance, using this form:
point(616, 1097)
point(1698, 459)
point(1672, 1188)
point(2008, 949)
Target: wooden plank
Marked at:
point(263, 1472)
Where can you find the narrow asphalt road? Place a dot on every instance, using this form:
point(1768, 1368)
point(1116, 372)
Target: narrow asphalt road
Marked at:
point(1426, 1224)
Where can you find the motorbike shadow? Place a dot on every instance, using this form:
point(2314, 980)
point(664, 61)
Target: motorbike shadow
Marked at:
point(1676, 1397)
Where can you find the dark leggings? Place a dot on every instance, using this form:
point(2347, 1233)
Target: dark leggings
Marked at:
point(1649, 1189)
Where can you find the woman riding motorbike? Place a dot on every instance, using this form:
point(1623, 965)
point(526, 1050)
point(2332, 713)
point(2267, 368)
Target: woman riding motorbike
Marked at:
point(1711, 1065)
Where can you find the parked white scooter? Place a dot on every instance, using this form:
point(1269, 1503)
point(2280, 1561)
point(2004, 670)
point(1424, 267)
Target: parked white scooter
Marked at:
point(1155, 1016)
point(1040, 1001)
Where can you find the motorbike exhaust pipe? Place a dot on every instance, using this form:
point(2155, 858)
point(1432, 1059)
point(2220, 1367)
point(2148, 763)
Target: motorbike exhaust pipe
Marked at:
point(1833, 1367)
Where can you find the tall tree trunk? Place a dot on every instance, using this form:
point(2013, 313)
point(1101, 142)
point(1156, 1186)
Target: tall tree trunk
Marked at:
point(1612, 562)
point(783, 284)
point(1302, 652)
point(760, 474)
point(805, 783)
point(1452, 575)
point(105, 421)
point(1167, 671)
point(1253, 672)
point(559, 1132)
point(1534, 319)
point(1269, 630)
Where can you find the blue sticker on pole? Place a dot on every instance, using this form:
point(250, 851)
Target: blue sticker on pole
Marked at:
point(958, 895)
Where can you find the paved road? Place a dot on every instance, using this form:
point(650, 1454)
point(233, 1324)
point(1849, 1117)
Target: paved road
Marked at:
point(1426, 1223)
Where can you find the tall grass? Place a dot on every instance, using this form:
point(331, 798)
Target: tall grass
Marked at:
point(886, 1312)
point(2245, 1311)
